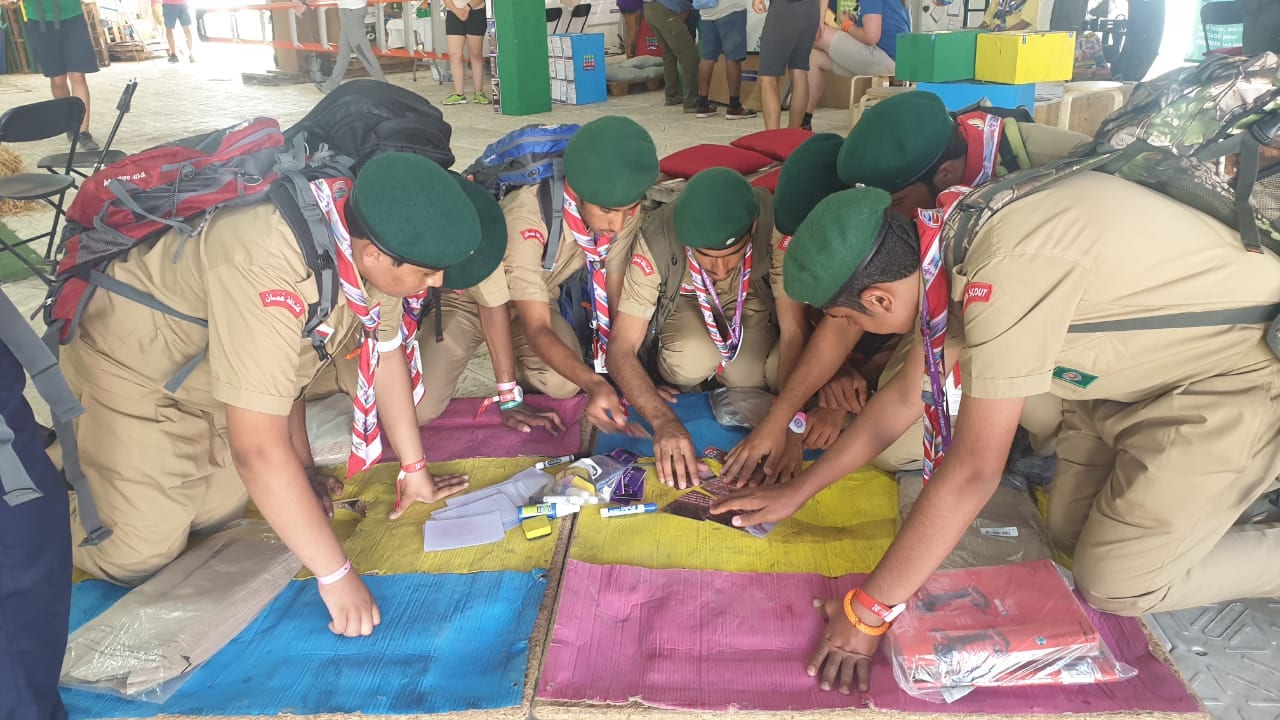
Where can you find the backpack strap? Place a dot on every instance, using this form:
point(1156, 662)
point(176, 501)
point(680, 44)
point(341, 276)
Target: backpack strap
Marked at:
point(1252, 315)
point(292, 196)
point(659, 234)
point(42, 365)
point(551, 199)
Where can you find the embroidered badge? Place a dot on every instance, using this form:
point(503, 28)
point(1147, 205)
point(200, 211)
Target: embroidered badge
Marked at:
point(1071, 376)
point(976, 292)
point(535, 235)
point(284, 299)
point(643, 263)
point(784, 243)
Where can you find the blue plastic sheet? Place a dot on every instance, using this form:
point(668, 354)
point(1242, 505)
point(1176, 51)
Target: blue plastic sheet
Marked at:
point(694, 410)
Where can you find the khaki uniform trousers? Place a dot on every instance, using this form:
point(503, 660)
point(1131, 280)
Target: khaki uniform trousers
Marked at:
point(687, 356)
point(159, 470)
point(1146, 493)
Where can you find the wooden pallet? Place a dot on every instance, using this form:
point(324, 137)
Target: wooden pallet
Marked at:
point(93, 19)
point(135, 51)
point(625, 88)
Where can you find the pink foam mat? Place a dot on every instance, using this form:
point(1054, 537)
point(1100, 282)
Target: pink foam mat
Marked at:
point(708, 640)
point(458, 435)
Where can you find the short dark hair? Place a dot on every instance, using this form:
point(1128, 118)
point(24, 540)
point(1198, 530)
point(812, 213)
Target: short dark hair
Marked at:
point(896, 257)
point(356, 228)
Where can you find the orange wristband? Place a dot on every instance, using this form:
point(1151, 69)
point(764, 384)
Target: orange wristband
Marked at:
point(846, 26)
point(873, 630)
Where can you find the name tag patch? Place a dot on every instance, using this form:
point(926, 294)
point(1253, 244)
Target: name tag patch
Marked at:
point(534, 234)
point(642, 263)
point(284, 299)
point(976, 292)
point(1071, 376)
point(784, 242)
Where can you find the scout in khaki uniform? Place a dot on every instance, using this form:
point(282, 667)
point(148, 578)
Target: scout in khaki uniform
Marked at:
point(162, 464)
point(1168, 434)
point(717, 242)
point(609, 165)
point(910, 146)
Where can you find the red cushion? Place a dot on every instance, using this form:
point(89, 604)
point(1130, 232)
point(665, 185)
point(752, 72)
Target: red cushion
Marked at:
point(690, 161)
point(768, 181)
point(777, 144)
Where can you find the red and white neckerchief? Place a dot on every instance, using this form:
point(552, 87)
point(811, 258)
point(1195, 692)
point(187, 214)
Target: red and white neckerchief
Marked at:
point(596, 249)
point(983, 132)
point(933, 326)
point(366, 439)
point(704, 289)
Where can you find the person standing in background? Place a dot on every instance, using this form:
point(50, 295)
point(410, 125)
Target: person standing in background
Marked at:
point(630, 10)
point(668, 20)
point(788, 37)
point(174, 12)
point(465, 27)
point(724, 31)
point(865, 45)
point(59, 39)
point(351, 41)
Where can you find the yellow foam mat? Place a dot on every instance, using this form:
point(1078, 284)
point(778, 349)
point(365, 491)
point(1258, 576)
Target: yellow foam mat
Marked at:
point(844, 529)
point(378, 546)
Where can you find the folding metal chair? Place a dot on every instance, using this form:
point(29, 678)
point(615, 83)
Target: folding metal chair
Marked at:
point(553, 19)
point(30, 123)
point(579, 12)
point(86, 163)
point(1224, 12)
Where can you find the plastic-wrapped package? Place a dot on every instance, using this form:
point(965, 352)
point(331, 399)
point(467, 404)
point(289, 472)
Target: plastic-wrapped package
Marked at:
point(740, 407)
point(1011, 625)
point(147, 644)
point(595, 476)
point(1007, 530)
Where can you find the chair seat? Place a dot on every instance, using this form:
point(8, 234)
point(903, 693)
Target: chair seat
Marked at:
point(33, 186)
point(83, 158)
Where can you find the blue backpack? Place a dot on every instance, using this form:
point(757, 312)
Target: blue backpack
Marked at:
point(532, 155)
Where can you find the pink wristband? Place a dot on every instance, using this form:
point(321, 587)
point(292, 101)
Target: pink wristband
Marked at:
point(507, 386)
point(336, 576)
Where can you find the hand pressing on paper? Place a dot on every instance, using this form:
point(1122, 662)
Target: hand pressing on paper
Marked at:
point(844, 655)
point(846, 391)
point(524, 419)
point(764, 504)
point(423, 487)
point(825, 426)
point(352, 610)
point(673, 454)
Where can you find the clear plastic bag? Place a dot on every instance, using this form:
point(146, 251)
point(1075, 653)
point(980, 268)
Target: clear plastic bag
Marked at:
point(1012, 625)
point(595, 476)
point(740, 407)
point(146, 645)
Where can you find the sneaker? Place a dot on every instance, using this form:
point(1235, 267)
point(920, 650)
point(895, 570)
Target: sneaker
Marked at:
point(481, 99)
point(173, 59)
point(669, 102)
point(691, 109)
point(706, 110)
point(87, 143)
point(455, 99)
point(740, 113)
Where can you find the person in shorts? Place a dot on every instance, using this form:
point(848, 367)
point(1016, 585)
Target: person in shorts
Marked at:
point(465, 26)
point(174, 13)
point(790, 29)
point(723, 30)
point(59, 39)
point(864, 45)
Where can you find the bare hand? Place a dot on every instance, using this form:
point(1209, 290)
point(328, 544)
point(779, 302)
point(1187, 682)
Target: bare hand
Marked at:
point(463, 12)
point(604, 409)
point(765, 504)
point(673, 454)
point(763, 442)
point(326, 488)
point(524, 419)
point(846, 391)
point(845, 653)
point(825, 426)
point(422, 487)
point(668, 393)
point(759, 6)
point(352, 610)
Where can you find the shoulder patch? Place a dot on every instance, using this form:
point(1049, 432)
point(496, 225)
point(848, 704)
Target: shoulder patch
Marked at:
point(1071, 376)
point(976, 292)
point(784, 243)
point(285, 299)
point(642, 262)
point(535, 235)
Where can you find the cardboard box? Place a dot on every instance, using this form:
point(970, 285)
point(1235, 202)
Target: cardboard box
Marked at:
point(1016, 58)
point(937, 56)
point(719, 90)
point(960, 95)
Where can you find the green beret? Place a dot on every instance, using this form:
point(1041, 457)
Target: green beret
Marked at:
point(414, 212)
point(896, 141)
point(493, 240)
point(807, 176)
point(611, 162)
point(832, 243)
point(716, 208)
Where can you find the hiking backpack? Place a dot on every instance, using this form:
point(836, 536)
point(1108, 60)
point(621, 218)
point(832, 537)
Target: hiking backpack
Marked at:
point(363, 118)
point(532, 155)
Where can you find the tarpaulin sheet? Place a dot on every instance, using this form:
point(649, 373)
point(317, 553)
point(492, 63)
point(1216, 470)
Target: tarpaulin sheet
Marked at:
point(706, 640)
point(446, 643)
point(458, 435)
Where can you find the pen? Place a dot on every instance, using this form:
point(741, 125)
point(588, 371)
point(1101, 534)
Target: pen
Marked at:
point(628, 510)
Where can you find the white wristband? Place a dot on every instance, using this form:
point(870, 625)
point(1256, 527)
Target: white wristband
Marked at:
point(336, 576)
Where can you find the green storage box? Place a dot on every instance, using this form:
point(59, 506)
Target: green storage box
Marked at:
point(940, 56)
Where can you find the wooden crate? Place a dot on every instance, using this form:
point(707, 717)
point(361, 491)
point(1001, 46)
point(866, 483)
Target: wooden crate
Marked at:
point(97, 37)
point(21, 53)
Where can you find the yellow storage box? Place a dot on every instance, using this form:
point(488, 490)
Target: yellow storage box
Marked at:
point(1015, 58)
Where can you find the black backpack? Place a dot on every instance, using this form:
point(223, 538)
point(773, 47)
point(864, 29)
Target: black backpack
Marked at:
point(363, 118)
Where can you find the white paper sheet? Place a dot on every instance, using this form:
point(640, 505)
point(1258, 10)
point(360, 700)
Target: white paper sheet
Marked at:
point(462, 532)
point(499, 503)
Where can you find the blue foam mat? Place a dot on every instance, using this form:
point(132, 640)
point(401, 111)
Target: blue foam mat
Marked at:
point(446, 643)
point(694, 410)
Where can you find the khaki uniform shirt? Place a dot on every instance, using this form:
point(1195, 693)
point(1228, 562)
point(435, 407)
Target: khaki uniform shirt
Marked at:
point(527, 240)
point(491, 292)
point(640, 288)
point(245, 274)
point(1046, 144)
point(1094, 248)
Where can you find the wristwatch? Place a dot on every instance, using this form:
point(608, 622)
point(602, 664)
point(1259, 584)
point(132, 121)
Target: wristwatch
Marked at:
point(882, 611)
point(798, 424)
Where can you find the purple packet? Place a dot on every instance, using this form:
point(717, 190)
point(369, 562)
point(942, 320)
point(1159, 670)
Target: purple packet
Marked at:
point(630, 486)
point(624, 456)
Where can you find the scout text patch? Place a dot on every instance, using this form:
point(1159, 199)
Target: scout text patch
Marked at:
point(976, 292)
point(535, 235)
point(785, 242)
point(284, 299)
point(1071, 376)
point(643, 263)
